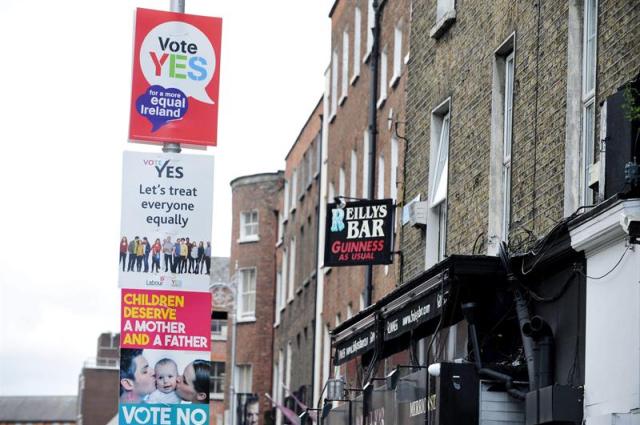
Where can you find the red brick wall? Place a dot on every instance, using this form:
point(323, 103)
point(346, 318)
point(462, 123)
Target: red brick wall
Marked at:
point(343, 286)
point(255, 338)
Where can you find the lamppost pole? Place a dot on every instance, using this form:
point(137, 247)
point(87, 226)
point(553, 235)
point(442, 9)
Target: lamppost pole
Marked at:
point(169, 147)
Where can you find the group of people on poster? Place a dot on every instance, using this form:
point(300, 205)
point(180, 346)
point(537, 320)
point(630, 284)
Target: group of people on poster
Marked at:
point(181, 256)
point(163, 383)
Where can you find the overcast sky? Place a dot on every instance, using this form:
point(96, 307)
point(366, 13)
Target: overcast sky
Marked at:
point(65, 74)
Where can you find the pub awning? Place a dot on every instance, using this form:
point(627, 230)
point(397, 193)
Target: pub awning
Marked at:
point(418, 307)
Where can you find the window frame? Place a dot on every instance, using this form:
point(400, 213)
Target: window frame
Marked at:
point(247, 315)
point(245, 236)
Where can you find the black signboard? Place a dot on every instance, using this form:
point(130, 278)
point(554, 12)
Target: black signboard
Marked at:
point(359, 233)
point(413, 315)
point(355, 345)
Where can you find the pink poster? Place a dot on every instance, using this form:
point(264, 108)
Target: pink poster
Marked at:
point(165, 320)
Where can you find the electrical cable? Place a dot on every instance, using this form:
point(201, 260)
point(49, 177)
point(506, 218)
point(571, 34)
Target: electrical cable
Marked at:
point(554, 297)
point(610, 271)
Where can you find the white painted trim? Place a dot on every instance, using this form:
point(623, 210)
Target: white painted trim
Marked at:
point(606, 228)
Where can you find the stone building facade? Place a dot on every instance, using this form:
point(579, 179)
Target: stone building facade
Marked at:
point(296, 268)
point(252, 268)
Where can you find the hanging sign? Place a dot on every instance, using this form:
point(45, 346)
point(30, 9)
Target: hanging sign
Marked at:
point(359, 233)
point(176, 78)
point(165, 230)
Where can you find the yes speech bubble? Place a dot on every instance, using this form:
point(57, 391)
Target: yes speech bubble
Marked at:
point(177, 54)
point(160, 105)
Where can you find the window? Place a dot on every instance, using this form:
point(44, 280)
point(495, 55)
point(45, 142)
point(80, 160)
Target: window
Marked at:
point(275, 387)
point(334, 84)
point(381, 177)
point(445, 17)
point(506, 146)
point(353, 169)
point(292, 268)
point(345, 66)
point(219, 329)
point(308, 165)
point(342, 183)
point(249, 226)
point(438, 183)
point(287, 377)
point(357, 24)
point(365, 165)
point(326, 353)
point(444, 7)
point(318, 161)
point(247, 299)
point(370, 23)
point(285, 277)
point(589, 52)
point(243, 379)
point(382, 94)
point(278, 297)
point(286, 199)
point(294, 189)
point(393, 177)
point(217, 377)
point(280, 227)
point(397, 55)
point(502, 95)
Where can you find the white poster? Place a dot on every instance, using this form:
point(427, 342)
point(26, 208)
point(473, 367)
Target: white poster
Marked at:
point(165, 230)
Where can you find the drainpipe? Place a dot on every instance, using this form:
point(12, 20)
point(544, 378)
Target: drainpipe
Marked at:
point(373, 126)
point(523, 316)
point(320, 228)
point(540, 331)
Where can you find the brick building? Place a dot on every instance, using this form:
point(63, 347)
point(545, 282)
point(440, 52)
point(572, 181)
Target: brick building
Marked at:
point(253, 269)
point(297, 249)
point(219, 337)
point(517, 123)
point(97, 397)
point(349, 156)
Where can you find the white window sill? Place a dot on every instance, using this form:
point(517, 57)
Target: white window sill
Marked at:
point(290, 300)
point(246, 320)
point(292, 210)
point(279, 243)
point(407, 58)
point(299, 290)
point(216, 396)
point(394, 81)
point(443, 24)
point(249, 239)
point(343, 99)
point(332, 118)
point(276, 324)
point(366, 57)
point(326, 270)
point(381, 102)
point(218, 338)
point(354, 79)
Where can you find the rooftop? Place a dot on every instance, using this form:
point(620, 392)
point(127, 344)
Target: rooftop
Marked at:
point(38, 409)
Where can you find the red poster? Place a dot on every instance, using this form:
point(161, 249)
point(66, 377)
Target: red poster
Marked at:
point(165, 320)
point(176, 78)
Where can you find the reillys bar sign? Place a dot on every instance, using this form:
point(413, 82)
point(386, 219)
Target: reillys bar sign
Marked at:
point(359, 233)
